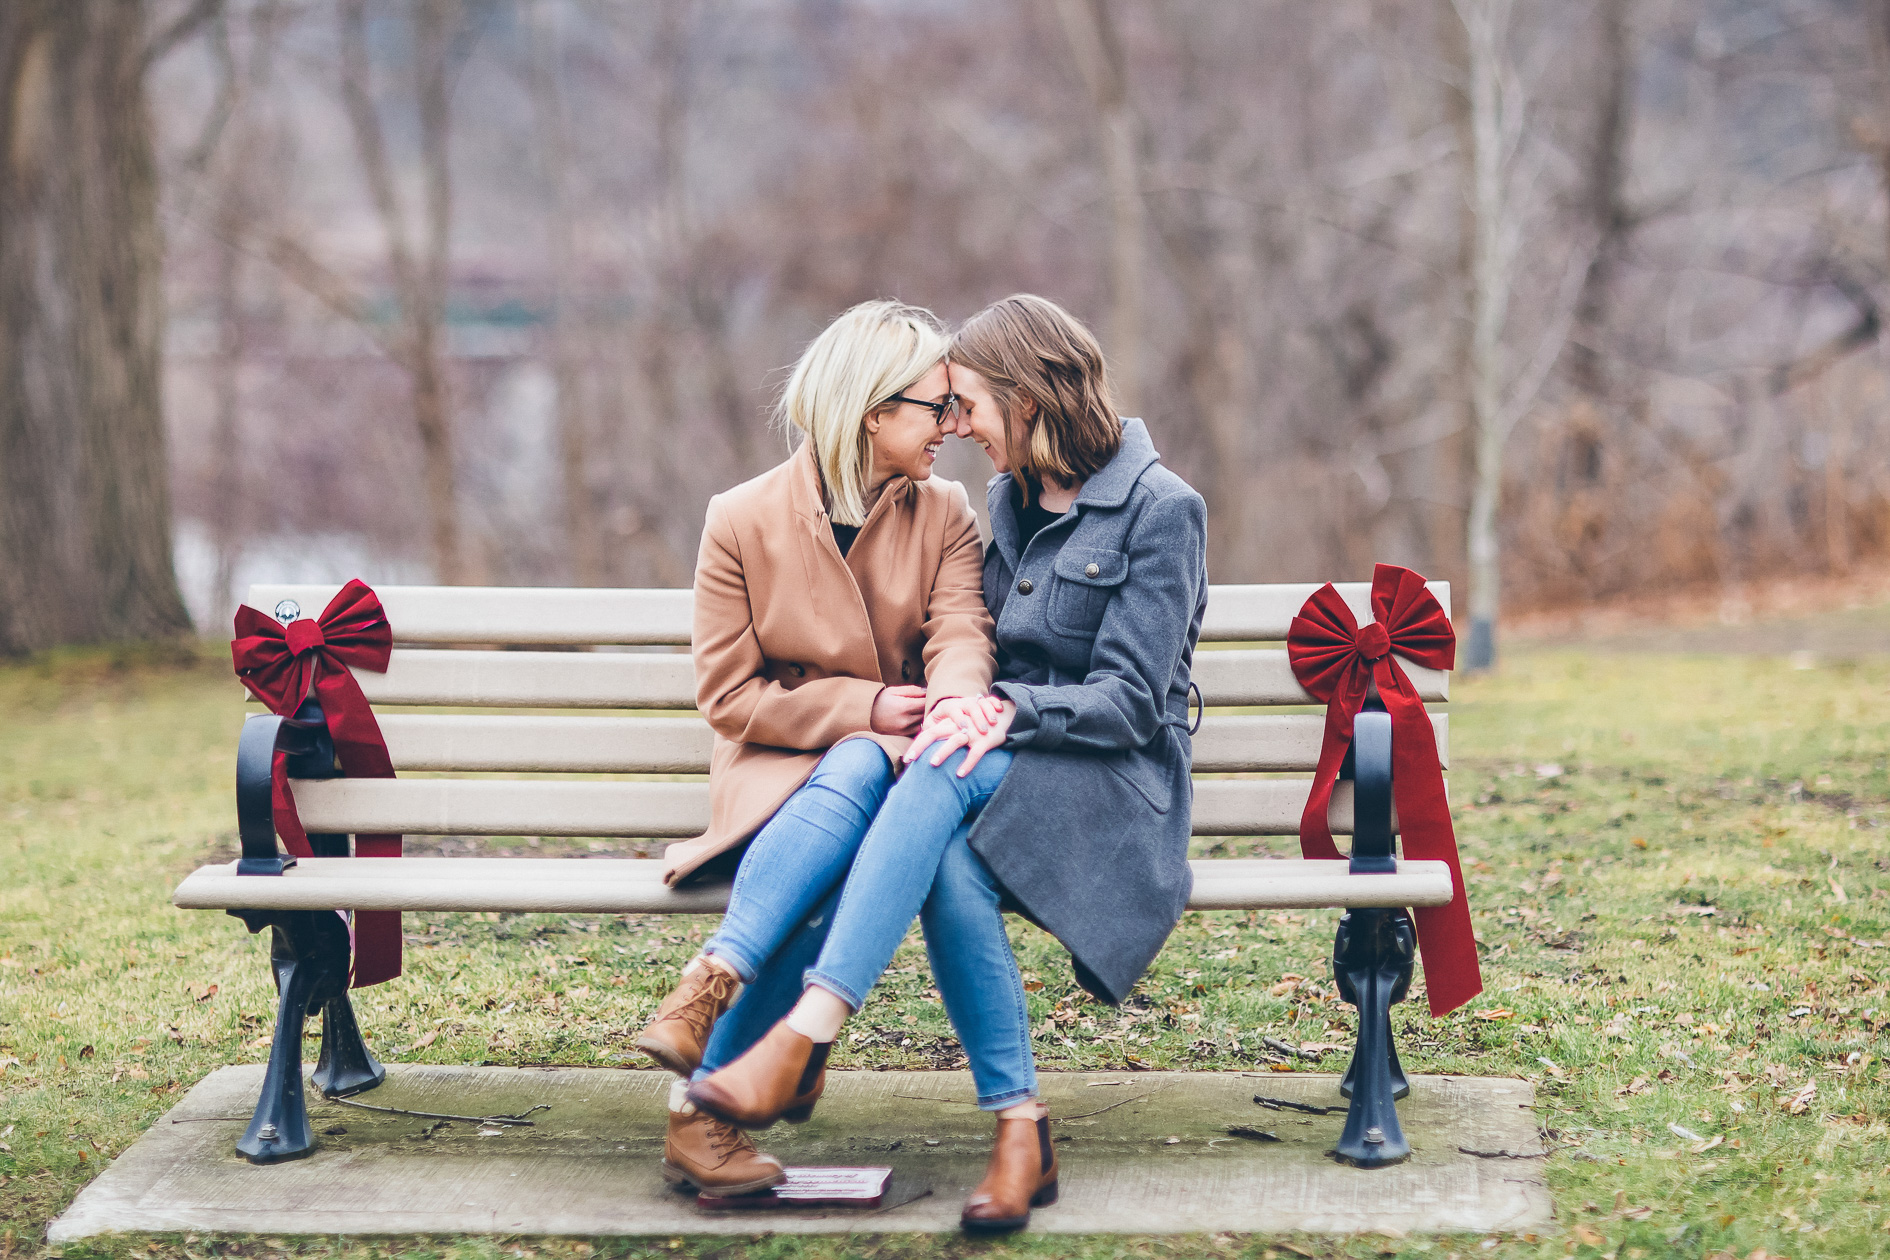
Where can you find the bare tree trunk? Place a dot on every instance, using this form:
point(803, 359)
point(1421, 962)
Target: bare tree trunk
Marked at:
point(421, 281)
point(1098, 50)
point(554, 144)
point(1491, 123)
point(226, 477)
point(239, 194)
point(1607, 215)
point(85, 521)
point(1879, 21)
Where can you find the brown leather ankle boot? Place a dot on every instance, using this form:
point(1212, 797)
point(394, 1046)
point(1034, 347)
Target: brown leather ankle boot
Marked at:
point(715, 1158)
point(678, 1035)
point(780, 1078)
point(1022, 1175)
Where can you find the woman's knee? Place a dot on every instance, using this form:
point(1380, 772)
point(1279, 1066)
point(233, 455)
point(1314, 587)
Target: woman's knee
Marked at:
point(858, 768)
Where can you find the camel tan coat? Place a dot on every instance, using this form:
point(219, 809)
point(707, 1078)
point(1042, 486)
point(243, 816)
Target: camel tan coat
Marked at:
point(793, 642)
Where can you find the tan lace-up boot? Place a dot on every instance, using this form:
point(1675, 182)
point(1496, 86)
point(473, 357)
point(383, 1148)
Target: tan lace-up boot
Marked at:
point(678, 1035)
point(716, 1158)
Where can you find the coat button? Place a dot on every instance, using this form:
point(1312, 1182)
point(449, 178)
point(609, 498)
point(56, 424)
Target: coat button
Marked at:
point(1023, 587)
point(1092, 570)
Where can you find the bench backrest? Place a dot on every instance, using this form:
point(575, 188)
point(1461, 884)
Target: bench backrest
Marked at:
point(530, 656)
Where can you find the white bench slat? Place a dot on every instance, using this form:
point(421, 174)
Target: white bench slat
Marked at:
point(1264, 676)
point(640, 745)
point(568, 743)
point(634, 886)
point(563, 807)
point(666, 680)
point(563, 615)
point(535, 680)
point(1254, 743)
point(511, 614)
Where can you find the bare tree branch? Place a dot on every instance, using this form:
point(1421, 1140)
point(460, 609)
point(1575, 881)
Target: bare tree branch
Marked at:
point(186, 25)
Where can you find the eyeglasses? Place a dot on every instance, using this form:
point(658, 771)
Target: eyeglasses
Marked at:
point(946, 407)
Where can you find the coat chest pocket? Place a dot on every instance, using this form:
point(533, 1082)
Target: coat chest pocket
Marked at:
point(1085, 579)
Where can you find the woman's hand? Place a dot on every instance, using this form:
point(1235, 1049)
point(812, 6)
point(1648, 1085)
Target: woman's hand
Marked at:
point(979, 725)
point(898, 710)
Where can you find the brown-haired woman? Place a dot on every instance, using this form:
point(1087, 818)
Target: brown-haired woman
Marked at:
point(1065, 791)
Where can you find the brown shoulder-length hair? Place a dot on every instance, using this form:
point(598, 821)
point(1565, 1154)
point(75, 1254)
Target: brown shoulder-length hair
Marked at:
point(1029, 348)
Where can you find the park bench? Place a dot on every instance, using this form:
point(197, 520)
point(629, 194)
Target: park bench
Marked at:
point(547, 650)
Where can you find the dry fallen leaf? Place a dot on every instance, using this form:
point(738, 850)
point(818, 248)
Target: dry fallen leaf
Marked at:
point(207, 994)
point(1498, 1013)
point(1594, 1238)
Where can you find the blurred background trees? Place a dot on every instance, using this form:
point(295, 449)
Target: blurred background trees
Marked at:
point(85, 517)
point(1558, 301)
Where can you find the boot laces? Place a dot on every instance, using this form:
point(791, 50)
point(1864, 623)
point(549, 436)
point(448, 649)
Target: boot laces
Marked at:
point(700, 1012)
point(727, 1141)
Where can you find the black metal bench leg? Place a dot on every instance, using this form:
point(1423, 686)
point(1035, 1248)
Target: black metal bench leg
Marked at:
point(1400, 1086)
point(346, 1065)
point(309, 952)
point(1372, 961)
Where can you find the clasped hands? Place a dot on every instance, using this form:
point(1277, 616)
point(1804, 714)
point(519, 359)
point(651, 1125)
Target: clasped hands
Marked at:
point(975, 723)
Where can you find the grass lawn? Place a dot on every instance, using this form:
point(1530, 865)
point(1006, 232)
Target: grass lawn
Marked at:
point(1676, 871)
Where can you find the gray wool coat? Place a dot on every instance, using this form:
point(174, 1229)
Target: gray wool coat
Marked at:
point(1097, 621)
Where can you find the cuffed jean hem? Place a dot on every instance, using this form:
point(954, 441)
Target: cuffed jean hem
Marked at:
point(745, 971)
point(827, 982)
point(1001, 1101)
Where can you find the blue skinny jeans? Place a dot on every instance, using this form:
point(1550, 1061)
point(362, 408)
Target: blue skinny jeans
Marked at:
point(785, 890)
point(801, 855)
point(916, 860)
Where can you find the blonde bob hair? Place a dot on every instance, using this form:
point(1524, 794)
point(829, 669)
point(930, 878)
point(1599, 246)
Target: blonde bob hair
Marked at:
point(870, 353)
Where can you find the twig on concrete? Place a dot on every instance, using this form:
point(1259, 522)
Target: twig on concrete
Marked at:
point(956, 1102)
point(437, 1115)
point(1287, 1047)
point(1111, 1107)
point(1287, 1104)
point(201, 1119)
point(1506, 1154)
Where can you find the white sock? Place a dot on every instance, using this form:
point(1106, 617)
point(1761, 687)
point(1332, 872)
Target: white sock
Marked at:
point(1032, 1110)
point(679, 1098)
point(819, 1015)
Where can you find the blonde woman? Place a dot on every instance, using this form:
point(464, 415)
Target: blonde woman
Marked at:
point(838, 604)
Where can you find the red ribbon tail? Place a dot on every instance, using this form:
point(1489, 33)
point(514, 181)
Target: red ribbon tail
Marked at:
point(362, 752)
point(377, 936)
point(1447, 942)
point(282, 808)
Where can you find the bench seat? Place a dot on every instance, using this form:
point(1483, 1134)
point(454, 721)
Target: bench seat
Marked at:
point(543, 712)
point(634, 886)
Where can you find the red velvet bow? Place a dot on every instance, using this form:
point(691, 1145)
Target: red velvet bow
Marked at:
point(280, 665)
point(1335, 659)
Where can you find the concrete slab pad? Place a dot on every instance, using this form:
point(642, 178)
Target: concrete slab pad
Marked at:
point(590, 1164)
